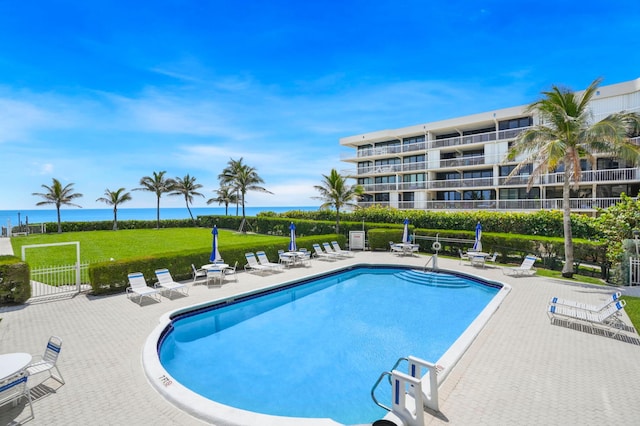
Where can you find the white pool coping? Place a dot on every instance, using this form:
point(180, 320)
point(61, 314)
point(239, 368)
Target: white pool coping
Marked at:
point(224, 415)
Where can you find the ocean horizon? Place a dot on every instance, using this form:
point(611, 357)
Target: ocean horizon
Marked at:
point(71, 214)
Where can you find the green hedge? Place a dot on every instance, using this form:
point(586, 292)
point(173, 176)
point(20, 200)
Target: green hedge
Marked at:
point(111, 277)
point(15, 286)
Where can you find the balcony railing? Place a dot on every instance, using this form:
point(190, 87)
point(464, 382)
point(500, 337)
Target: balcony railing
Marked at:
point(462, 161)
point(577, 204)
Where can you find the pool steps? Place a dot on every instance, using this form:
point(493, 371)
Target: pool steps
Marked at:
point(433, 279)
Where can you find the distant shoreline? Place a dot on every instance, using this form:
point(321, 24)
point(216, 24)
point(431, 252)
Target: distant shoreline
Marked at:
point(70, 214)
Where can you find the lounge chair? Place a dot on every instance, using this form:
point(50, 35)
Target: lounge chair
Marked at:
point(264, 261)
point(606, 319)
point(215, 276)
point(47, 362)
point(338, 249)
point(525, 269)
point(198, 273)
point(166, 282)
point(321, 254)
point(329, 250)
point(253, 265)
point(15, 387)
point(584, 306)
point(138, 285)
point(394, 248)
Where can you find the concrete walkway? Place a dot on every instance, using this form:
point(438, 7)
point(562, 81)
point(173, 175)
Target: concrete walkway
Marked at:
point(520, 370)
point(5, 247)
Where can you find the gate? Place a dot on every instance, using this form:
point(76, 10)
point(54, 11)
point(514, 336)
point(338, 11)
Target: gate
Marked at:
point(56, 281)
point(634, 270)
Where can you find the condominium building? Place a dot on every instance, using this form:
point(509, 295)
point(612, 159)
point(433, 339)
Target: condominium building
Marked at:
point(460, 163)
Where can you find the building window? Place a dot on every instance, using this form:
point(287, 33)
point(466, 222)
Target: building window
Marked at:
point(413, 139)
point(387, 161)
point(416, 177)
point(515, 123)
point(414, 159)
point(519, 194)
point(383, 197)
point(486, 194)
point(385, 179)
point(448, 196)
point(475, 174)
point(448, 176)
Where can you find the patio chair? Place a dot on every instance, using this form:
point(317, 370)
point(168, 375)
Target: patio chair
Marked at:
point(338, 249)
point(231, 270)
point(525, 269)
point(48, 361)
point(215, 275)
point(138, 286)
point(606, 319)
point(15, 387)
point(305, 256)
point(166, 282)
point(477, 259)
point(463, 256)
point(322, 255)
point(253, 265)
point(492, 259)
point(584, 306)
point(264, 261)
point(394, 248)
point(198, 273)
point(285, 260)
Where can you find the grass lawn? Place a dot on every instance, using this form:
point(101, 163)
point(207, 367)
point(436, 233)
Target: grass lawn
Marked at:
point(98, 246)
point(633, 310)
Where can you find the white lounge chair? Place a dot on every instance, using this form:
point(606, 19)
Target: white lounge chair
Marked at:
point(15, 387)
point(264, 261)
point(166, 282)
point(329, 250)
point(253, 265)
point(606, 319)
point(215, 276)
point(584, 306)
point(338, 249)
point(198, 273)
point(48, 361)
point(321, 254)
point(394, 248)
point(525, 269)
point(138, 286)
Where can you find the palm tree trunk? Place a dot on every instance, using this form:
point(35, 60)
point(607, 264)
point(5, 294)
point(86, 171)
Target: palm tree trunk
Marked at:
point(567, 269)
point(115, 218)
point(158, 214)
point(337, 220)
point(59, 222)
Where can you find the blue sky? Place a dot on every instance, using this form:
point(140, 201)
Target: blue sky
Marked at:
point(101, 93)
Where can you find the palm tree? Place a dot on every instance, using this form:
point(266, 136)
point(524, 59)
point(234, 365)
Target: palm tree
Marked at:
point(242, 178)
point(187, 187)
point(226, 196)
point(58, 195)
point(114, 198)
point(227, 178)
point(334, 192)
point(159, 185)
point(566, 134)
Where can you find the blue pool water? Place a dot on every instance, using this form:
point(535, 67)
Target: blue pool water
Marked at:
point(314, 350)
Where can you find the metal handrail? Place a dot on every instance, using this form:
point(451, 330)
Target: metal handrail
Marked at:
point(373, 389)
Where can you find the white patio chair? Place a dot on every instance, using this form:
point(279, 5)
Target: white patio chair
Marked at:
point(15, 387)
point(48, 361)
point(329, 250)
point(607, 319)
point(138, 286)
point(463, 256)
point(286, 260)
point(231, 270)
point(585, 306)
point(215, 275)
point(166, 282)
point(198, 273)
point(322, 255)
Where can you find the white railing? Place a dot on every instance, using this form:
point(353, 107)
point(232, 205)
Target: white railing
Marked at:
point(634, 271)
point(57, 280)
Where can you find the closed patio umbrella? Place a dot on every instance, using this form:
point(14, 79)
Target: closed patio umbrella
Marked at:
point(477, 246)
point(292, 242)
point(405, 233)
point(215, 254)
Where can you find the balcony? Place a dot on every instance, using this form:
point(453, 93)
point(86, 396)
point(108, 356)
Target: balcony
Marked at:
point(462, 161)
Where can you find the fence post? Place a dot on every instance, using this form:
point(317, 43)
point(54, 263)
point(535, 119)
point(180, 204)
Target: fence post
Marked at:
point(78, 279)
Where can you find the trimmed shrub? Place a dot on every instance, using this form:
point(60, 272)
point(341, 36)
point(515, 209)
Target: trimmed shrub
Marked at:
point(15, 286)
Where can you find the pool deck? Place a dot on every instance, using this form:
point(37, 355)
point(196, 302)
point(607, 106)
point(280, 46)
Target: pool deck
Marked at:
point(519, 370)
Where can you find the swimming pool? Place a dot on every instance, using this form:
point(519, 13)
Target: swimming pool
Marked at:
point(313, 349)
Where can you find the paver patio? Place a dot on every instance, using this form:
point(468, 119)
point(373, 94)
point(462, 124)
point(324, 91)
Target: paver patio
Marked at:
point(520, 369)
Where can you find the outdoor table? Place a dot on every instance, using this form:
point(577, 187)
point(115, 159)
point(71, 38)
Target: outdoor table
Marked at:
point(11, 364)
point(221, 266)
point(477, 257)
point(405, 248)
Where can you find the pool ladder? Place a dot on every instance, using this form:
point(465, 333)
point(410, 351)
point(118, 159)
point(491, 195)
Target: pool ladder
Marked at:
point(407, 397)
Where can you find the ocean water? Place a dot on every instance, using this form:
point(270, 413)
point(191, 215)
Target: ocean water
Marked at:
point(74, 214)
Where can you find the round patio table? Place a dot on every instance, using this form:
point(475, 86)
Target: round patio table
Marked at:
point(11, 364)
